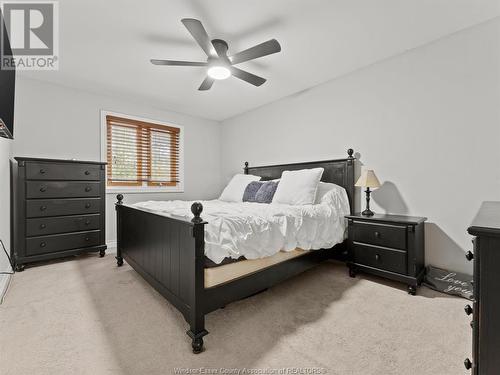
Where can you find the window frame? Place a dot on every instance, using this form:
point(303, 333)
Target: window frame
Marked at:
point(142, 187)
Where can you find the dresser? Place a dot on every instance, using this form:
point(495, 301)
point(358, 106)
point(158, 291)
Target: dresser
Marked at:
point(485, 307)
point(58, 209)
point(390, 246)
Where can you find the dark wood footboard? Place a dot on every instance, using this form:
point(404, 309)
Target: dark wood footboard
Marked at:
point(169, 254)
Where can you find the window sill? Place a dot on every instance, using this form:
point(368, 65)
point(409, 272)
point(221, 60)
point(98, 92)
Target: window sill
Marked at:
point(143, 190)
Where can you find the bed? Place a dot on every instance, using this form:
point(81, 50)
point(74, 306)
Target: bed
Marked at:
point(168, 251)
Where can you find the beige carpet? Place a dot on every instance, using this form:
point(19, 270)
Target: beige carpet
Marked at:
point(86, 316)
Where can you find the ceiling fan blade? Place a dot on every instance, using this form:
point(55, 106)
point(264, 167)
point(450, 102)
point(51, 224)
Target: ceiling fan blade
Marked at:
point(260, 50)
point(199, 34)
point(206, 84)
point(247, 77)
point(178, 63)
point(221, 49)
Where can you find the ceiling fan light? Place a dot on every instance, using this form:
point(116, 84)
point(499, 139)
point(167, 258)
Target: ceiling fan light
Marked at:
point(219, 72)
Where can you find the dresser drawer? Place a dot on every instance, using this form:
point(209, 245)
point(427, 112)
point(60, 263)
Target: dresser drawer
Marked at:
point(62, 171)
point(61, 242)
point(60, 207)
point(381, 258)
point(62, 189)
point(380, 234)
point(51, 225)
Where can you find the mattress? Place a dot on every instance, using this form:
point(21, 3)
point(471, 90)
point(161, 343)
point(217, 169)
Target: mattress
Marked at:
point(218, 275)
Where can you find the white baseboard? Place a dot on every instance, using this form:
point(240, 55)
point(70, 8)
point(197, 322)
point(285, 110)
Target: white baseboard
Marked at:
point(111, 246)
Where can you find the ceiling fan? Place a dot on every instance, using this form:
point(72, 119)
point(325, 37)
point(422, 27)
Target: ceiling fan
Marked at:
point(220, 65)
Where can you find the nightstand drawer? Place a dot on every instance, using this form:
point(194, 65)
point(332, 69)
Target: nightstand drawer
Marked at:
point(381, 258)
point(380, 234)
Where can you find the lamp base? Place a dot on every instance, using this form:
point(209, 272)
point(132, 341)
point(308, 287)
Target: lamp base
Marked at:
point(367, 212)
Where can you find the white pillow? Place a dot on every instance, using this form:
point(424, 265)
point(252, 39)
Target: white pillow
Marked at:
point(298, 187)
point(324, 188)
point(233, 192)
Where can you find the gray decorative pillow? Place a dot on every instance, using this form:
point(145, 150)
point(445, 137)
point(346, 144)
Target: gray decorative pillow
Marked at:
point(251, 190)
point(266, 192)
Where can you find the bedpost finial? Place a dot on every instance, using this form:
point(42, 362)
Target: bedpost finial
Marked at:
point(246, 167)
point(350, 152)
point(120, 199)
point(196, 209)
point(246, 164)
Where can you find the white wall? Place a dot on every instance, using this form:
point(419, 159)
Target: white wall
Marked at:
point(58, 122)
point(427, 121)
point(5, 149)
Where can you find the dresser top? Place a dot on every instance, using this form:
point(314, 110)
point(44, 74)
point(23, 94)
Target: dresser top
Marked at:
point(487, 220)
point(388, 218)
point(18, 159)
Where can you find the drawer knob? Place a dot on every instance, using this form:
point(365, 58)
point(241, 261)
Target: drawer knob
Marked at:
point(469, 256)
point(88, 188)
point(43, 208)
point(43, 189)
point(87, 222)
point(87, 239)
point(43, 226)
point(468, 309)
point(87, 173)
point(377, 257)
point(468, 364)
point(43, 244)
point(87, 205)
point(377, 234)
point(42, 171)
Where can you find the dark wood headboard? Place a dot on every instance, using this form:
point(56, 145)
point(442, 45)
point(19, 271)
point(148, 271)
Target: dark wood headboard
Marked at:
point(338, 171)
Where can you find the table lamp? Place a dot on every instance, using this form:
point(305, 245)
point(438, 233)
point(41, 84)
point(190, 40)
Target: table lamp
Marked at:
point(368, 180)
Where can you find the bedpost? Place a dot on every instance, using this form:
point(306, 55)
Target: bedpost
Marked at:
point(246, 167)
point(350, 178)
point(350, 152)
point(196, 314)
point(197, 209)
point(118, 204)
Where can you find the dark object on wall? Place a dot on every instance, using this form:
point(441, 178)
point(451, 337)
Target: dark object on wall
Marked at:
point(390, 246)
point(7, 90)
point(219, 64)
point(485, 309)
point(144, 237)
point(58, 209)
point(454, 283)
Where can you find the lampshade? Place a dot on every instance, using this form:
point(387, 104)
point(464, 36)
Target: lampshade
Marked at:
point(368, 179)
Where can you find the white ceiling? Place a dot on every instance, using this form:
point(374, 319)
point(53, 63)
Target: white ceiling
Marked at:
point(105, 45)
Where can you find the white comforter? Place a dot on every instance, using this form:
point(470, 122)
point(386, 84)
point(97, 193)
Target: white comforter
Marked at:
point(257, 230)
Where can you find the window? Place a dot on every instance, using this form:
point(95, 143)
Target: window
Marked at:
point(142, 154)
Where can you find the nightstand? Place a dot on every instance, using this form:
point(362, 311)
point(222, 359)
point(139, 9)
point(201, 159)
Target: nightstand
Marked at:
point(390, 246)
